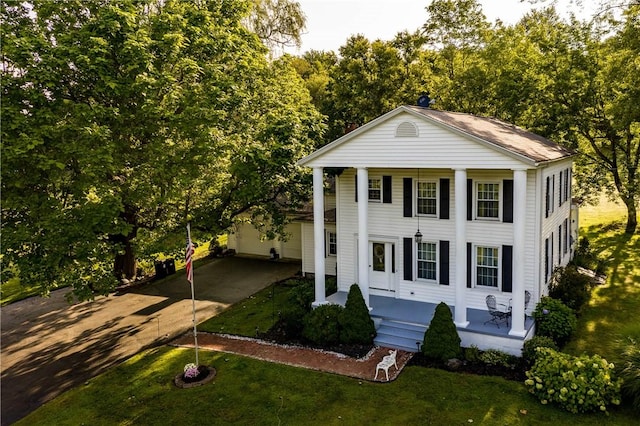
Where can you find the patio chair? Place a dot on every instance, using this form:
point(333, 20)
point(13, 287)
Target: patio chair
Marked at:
point(497, 315)
point(387, 361)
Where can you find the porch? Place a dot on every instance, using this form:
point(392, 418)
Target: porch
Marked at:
point(401, 324)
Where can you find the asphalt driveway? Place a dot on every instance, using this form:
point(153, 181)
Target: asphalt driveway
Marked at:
point(49, 346)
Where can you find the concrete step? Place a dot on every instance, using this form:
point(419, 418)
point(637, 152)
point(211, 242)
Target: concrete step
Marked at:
point(400, 335)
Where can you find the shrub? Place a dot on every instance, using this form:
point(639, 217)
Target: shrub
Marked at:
point(577, 384)
point(441, 340)
point(554, 319)
point(529, 352)
point(322, 326)
point(472, 354)
point(571, 287)
point(630, 372)
point(355, 322)
point(331, 286)
point(298, 305)
point(498, 358)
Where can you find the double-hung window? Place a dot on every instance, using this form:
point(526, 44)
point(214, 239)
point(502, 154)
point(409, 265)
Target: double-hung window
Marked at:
point(427, 261)
point(427, 194)
point(332, 243)
point(488, 200)
point(487, 266)
point(375, 189)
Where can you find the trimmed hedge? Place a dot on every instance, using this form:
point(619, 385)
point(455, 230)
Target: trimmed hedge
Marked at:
point(322, 325)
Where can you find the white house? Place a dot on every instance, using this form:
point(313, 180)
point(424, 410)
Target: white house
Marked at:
point(491, 201)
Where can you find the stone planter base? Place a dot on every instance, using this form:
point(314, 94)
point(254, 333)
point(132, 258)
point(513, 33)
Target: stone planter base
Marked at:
point(179, 382)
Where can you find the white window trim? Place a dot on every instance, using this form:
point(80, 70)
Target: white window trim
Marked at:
point(378, 178)
point(437, 261)
point(328, 239)
point(415, 197)
point(475, 201)
point(475, 268)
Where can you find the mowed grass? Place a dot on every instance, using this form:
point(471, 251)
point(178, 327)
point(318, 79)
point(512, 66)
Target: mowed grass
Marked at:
point(614, 310)
point(251, 392)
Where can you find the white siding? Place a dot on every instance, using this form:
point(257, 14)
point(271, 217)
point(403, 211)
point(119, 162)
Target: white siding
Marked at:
point(308, 263)
point(435, 147)
point(387, 221)
point(549, 225)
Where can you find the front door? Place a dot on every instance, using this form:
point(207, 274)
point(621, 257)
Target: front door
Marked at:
point(381, 265)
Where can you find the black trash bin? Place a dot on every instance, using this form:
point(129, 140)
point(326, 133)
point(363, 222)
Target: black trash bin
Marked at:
point(170, 266)
point(161, 269)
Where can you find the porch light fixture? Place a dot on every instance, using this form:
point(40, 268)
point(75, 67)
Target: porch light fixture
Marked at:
point(418, 235)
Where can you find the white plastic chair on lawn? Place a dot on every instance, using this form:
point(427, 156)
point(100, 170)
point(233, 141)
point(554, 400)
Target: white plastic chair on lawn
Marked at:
point(387, 361)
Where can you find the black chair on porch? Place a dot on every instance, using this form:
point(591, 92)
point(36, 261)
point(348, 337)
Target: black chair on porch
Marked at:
point(497, 315)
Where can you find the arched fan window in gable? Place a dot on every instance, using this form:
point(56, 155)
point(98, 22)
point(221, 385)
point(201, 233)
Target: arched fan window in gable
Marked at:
point(406, 129)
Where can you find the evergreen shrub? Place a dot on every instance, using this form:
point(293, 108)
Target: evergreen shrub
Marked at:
point(356, 324)
point(441, 340)
point(322, 325)
point(577, 384)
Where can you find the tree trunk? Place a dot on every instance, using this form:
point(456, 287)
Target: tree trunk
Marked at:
point(125, 264)
point(632, 215)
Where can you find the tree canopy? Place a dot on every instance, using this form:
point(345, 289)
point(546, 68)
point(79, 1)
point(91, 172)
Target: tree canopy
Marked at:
point(123, 120)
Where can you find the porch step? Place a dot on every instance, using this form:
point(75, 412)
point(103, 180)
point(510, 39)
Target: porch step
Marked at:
point(399, 335)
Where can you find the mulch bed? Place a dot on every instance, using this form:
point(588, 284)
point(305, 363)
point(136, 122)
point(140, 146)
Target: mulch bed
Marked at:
point(298, 356)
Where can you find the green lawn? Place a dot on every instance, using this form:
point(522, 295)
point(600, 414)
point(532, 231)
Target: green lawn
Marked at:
point(252, 392)
point(614, 311)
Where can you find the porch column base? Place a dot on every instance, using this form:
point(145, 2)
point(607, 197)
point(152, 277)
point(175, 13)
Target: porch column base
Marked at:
point(517, 333)
point(316, 303)
point(464, 324)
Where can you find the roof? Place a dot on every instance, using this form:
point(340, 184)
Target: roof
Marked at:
point(496, 134)
point(500, 133)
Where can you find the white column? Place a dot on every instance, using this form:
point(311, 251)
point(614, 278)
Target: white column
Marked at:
point(318, 235)
point(461, 248)
point(519, 222)
point(363, 233)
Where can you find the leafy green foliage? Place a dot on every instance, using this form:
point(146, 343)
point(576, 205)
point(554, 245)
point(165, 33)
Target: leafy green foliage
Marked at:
point(355, 321)
point(530, 347)
point(441, 340)
point(322, 325)
point(570, 287)
point(629, 372)
point(298, 305)
point(577, 384)
point(555, 320)
point(124, 120)
point(472, 354)
point(495, 357)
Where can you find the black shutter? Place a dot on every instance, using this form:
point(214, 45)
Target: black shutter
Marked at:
point(444, 262)
point(546, 259)
point(469, 263)
point(444, 198)
point(507, 206)
point(386, 189)
point(356, 187)
point(407, 196)
point(408, 259)
point(326, 248)
point(469, 199)
point(546, 197)
point(507, 268)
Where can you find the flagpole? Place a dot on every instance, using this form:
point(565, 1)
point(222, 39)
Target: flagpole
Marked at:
point(189, 259)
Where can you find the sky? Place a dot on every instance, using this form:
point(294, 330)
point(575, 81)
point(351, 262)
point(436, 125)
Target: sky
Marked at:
point(331, 22)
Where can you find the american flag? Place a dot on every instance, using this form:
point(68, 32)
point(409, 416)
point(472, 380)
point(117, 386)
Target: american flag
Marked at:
point(189, 256)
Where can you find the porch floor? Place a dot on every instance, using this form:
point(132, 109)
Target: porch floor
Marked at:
point(413, 312)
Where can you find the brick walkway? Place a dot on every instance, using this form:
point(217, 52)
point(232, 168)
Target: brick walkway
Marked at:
point(314, 359)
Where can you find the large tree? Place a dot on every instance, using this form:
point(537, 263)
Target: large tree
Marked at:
point(122, 120)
